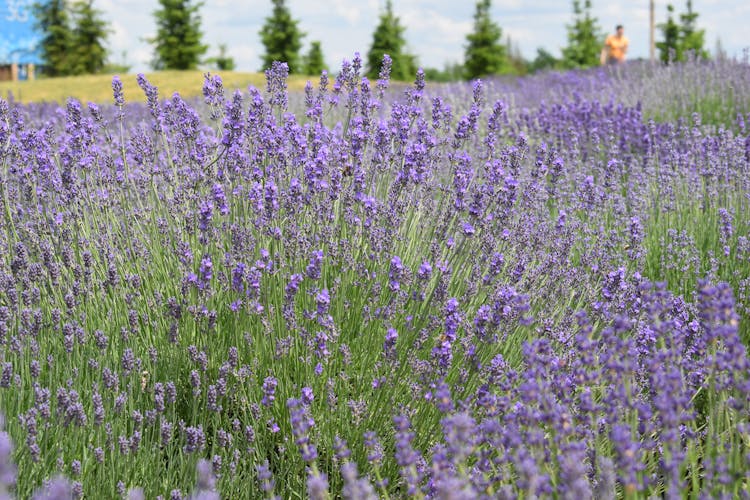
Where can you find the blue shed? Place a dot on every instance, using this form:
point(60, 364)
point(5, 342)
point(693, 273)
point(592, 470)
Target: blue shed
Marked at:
point(19, 39)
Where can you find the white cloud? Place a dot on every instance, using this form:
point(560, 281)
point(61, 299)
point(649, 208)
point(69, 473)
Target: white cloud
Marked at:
point(347, 10)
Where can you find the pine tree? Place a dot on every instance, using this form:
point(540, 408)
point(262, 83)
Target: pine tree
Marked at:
point(53, 20)
point(681, 39)
point(693, 39)
point(584, 38)
point(177, 44)
point(485, 53)
point(89, 34)
point(281, 37)
point(314, 62)
point(544, 60)
point(223, 61)
point(670, 44)
point(388, 38)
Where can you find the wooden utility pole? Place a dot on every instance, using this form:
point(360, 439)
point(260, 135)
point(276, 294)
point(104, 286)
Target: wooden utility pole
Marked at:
point(651, 30)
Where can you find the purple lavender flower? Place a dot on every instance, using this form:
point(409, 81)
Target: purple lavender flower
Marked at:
point(605, 481)
point(323, 301)
point(459, 432)
point(574, 482)
point(206, 479)
point(317, 486)
point(220, 199)
point(165, 432)
point(206, 214)
point(136, 494)
point(291, 288)
point(195, 439)
point(57, 488)
point(425, 271)
point(152, 97)
point(307, 396)
point(8, 470)
point(406, 456)
point(374, 447)
point(276, 87)
point(354, 486)
point(213, 92)
point(265, 477)
point(726, 227)
point(119, 97)
point(443, 352)
point(384, 75)
point(205, 273)
point(269, 391)
point(302, 422)
point(389, 345)
point(127, 362)
point(313, 268)
point(395, 273)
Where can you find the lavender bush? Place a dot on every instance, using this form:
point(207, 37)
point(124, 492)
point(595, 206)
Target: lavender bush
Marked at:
point(368, 292)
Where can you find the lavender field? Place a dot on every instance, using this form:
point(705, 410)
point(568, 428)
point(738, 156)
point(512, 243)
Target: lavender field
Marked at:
point(534, 288)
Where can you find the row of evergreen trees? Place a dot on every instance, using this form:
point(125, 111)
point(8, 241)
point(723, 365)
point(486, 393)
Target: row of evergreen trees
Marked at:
point(74, 38)
point(75, 35)
point(485, 52)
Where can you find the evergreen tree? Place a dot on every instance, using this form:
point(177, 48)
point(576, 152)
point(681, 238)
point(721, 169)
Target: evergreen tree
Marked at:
point(281, 37)
point(669, 46)
point(485, 53)
point(544, 60)
point(89, 34)
point(177, 44)
point(681, 39)
point(388, 38)
point(53, 20)
point(584, 38)
point(222, 62)
point(693, 39)
point(314, 62)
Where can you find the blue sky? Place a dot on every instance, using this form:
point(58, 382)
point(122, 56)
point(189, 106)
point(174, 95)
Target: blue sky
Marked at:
point(435, 29)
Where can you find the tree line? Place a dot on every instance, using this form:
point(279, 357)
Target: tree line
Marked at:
point(75, 35)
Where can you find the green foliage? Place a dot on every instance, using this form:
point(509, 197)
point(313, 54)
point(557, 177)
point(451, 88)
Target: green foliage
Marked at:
point(584, 39)
point(223, 61)
point(314, 62)
point(282, 38)
point(388, 38)
point(544, 60)
point(177, 44)
point(75, 36)
point(680, 40)
point(691, 225)
point(485, 54)
point(693, 39)
point(451, 72)
point(671, 38)
point(53, 19)
point(90, 35)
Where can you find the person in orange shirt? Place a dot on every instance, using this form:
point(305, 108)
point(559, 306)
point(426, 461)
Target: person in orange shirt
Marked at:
point(615, 47)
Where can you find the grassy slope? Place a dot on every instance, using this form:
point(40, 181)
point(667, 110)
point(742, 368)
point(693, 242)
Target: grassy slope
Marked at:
point(97, 88)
